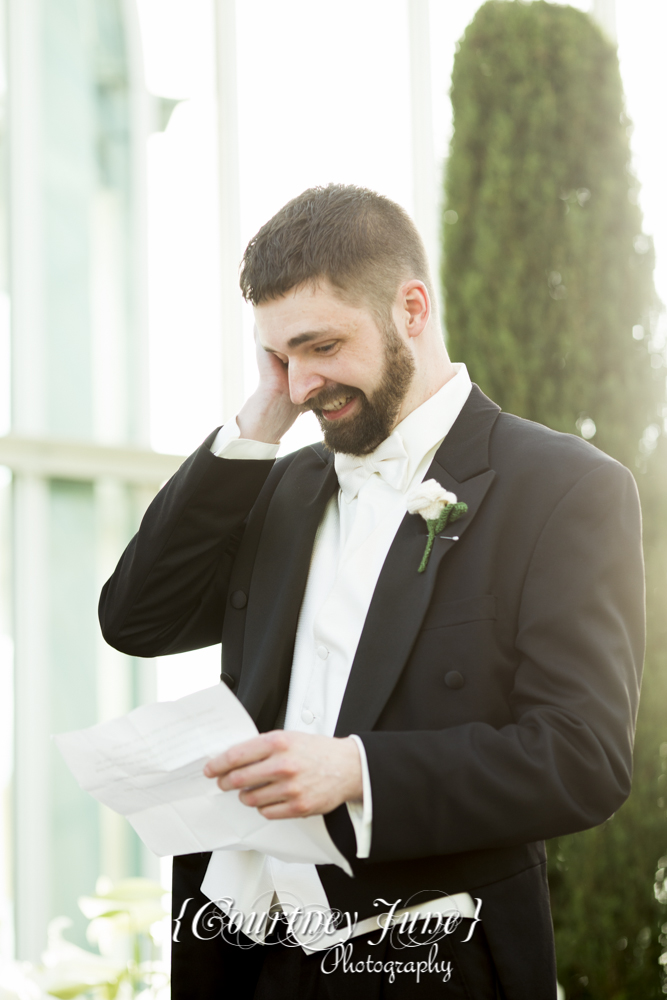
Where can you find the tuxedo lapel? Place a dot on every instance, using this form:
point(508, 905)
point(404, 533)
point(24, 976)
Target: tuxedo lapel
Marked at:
point(402, 595)
point(278, 584)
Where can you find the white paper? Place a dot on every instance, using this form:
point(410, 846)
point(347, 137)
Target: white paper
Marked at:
point(148, 765)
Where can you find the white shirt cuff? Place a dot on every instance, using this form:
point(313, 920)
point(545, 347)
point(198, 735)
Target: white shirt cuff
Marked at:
point(361, 813)
point(229, 444)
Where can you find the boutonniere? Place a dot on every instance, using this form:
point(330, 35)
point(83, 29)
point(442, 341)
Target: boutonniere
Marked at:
point(438, 507)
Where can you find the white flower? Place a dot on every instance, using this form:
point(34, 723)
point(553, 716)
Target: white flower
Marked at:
point(17, 983)
point(69, 971)
point(131, 906)
point(428, 499)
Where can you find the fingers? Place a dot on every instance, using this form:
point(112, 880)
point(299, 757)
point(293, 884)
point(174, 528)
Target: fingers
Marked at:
point(276, 793)
point(280, 800)
point(287, 775)
point(267, 360)
point(243, 754)
point(283, 810)
point(264, 772)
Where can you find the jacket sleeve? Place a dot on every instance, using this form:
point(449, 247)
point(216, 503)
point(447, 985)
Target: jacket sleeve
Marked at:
point(564, 764)
point(168, 592)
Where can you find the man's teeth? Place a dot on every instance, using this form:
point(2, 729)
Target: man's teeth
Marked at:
point(338, 405)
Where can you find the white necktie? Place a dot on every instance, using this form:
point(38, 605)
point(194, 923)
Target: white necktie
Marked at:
point(389, 460)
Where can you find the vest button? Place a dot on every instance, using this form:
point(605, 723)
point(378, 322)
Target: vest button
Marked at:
point(229, 680)
point(238, 600)
point(454, 680)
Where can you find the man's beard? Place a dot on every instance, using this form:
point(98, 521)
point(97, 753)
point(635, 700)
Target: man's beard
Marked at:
point(362, 433)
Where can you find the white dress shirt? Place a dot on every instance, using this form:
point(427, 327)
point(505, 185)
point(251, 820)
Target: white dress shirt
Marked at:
point(351, 545)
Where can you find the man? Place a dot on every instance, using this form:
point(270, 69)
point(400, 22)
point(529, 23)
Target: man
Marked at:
point(445, 712)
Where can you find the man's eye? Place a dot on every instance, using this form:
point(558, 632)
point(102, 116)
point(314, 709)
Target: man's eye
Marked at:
point(324, 348)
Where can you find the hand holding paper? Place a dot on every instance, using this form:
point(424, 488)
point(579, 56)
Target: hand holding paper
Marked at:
point(149, 765)
point(290, 774)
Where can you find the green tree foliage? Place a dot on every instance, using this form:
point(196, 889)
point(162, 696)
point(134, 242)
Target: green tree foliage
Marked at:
point(546, 269)
point(550, 301)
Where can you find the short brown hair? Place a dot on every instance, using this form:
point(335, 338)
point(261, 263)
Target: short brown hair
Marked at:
point(362, 242)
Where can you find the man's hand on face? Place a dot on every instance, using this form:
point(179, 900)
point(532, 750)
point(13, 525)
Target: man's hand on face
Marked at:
point(269, 412)
point(287, 774)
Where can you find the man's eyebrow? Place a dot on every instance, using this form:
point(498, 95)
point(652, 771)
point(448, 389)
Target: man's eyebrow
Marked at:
point(303, 338)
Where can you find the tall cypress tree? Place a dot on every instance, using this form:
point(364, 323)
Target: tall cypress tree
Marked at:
point(550, 301)
point(546, 269)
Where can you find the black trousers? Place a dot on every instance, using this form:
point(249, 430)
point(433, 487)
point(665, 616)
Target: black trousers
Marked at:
point(209, 962)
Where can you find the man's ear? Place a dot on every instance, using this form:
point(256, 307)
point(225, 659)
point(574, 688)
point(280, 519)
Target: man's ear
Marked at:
point(416, 304)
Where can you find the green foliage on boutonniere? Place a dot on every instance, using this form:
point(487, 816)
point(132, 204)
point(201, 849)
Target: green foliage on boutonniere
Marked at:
point(438, 507)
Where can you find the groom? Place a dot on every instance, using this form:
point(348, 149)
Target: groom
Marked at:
point(446, 721)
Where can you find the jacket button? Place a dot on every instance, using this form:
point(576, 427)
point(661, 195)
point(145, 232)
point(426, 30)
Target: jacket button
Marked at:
point(454, 680)
point(229, 680)
point(238, 599)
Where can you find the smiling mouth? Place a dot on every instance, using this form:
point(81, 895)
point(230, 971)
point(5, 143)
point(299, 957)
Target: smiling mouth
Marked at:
point(338, 407)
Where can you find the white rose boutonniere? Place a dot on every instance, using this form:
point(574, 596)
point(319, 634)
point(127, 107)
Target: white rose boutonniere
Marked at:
point(438, 507)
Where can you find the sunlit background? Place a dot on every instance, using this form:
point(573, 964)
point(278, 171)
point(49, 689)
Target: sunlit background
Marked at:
point(143, 143)
point(325, 93)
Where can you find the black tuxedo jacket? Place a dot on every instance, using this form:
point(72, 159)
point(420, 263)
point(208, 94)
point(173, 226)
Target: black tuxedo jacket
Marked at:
point(495, 693)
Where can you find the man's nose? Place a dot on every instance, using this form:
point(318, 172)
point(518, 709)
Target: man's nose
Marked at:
point(303, 383)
